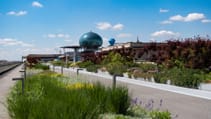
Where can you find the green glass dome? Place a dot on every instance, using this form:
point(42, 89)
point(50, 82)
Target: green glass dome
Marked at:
point(90, 40)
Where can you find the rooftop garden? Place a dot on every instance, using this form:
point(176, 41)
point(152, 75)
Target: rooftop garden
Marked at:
point(183, 62)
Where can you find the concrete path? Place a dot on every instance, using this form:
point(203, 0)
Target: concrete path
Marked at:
point(5, 85)
point(183, 102)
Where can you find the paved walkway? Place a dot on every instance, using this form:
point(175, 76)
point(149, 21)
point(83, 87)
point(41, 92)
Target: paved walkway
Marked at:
point(5, 84)
point(186, 103)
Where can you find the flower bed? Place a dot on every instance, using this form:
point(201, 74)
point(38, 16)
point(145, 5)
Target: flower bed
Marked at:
point(51, 96)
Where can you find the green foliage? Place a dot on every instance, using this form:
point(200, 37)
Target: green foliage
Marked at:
point(92, 68)
point(41, 66)
point(141, 113)
point(185, 77)
point(138, 111)
point(139, 74)
point(143, 70)
point(113, 57)
point(145, 67)
point(89, 65)
point(46, 97)
point(61, 63)
point(116, 116)
point(117, 68)
point(207, 78)
point(58, 63)
point(115, 64)
point(160, 115)
point(85, 64)
point(75, 64)
point(49, 96)
point(131, 64)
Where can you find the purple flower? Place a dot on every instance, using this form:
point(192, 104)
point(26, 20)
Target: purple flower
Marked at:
point(140, 102)
point(134, 101)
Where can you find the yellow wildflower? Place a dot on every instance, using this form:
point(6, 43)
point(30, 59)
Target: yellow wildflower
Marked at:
point(79, 86)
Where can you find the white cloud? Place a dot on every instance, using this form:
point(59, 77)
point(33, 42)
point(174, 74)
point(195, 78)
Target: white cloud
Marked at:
point(206, 21)
point(59, 35)
point(164, 33)
point(13, 42)
point(124, 35)
point(194, 16)
point(37, 4)
point(118, 26)
point(177, 18)
point(188, 18)
point(109, 26)
point(19, 13)
point(166, 22)
point(104, 25)
point(163, 10)
point(51, 36)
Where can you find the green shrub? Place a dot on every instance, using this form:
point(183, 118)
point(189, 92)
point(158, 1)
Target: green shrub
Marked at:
point(117, 68)
point(139, 74)
point(146, 110)
point(113, 57)
point(75, 64)
point(184, 77)
point(207, 78)
point(58, 63)
point(138, 111)
point(85, 64)
point(92, 68)
point(116, 116)
point(117, 64)
point(146, 67)
point(41, 66)
point(160, 115)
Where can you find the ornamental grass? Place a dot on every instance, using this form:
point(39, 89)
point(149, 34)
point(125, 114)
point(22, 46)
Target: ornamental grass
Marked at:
point(47, 96)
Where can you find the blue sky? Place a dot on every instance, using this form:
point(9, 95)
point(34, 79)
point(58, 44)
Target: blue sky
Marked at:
point(28, 26)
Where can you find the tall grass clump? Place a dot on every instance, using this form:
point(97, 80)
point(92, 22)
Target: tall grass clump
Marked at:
point(47, 97)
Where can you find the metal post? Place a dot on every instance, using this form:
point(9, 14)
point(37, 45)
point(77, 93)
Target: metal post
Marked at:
point(62, 69)
point(66, 62)
point(24, 70)
point(53, 68)
point(77, 71)
point(22, 83)
point(74, 55)
point(114, 81)
point(23, 86)
point(23, 76)
point(65, 57)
